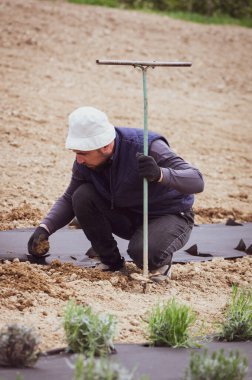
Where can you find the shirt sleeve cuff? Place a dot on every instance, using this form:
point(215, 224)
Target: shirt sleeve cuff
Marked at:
point(166, 179)
point(45, 227)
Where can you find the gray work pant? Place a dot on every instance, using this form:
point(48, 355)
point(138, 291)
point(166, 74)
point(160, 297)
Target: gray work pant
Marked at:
point(166, 234)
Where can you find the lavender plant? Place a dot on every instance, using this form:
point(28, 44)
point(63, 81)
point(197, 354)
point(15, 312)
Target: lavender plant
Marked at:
point(237, 325)
point(168, 325)
point(88, 332)
point(101, 369)
point(18, 347)
point(216, 366)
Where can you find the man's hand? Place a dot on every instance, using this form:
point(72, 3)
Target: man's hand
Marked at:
point(38, 244)
point(148, 168)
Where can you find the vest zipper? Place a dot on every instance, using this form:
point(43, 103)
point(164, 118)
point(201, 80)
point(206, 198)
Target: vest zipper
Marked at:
point(111, 189)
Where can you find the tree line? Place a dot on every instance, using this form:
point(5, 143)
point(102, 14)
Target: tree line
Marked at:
point(234, 8)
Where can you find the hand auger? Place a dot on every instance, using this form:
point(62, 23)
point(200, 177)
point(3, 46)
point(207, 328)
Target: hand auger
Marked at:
point(144, 66)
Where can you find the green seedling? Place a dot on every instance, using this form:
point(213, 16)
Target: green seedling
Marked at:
point(18, 347)
point(237, 325)
point(101, 369)
point(19, 377)
point(168, 325)
point(88, 332)
point(216, 366)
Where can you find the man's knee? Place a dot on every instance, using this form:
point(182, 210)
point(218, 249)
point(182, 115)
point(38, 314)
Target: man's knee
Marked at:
point(156, 257)
point(82, 195)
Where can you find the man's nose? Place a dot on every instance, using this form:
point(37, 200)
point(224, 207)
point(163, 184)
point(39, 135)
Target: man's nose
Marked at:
point(80, 159)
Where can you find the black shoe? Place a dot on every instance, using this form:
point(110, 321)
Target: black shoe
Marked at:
point(91, 253)
point(161, 274)
point(112, 268)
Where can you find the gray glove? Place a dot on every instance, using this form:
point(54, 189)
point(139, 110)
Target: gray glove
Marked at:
point(148, 168)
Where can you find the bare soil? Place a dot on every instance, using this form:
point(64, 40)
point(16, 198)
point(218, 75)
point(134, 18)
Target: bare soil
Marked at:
point(48, 53)
point(36, 295)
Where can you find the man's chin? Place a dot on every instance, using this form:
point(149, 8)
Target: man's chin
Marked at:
point(98, 168)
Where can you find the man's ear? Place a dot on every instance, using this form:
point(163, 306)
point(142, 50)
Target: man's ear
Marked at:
point(104, 149)
point(107, 148)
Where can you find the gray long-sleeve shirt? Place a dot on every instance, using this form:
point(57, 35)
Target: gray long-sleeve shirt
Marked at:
point(177, 174)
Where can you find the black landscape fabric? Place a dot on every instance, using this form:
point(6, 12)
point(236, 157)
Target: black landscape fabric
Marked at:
point(70, 245)
point(158, 363)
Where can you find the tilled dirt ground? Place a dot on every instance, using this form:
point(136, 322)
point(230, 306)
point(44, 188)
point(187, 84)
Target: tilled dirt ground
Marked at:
point(48, 53)
point(37, 295)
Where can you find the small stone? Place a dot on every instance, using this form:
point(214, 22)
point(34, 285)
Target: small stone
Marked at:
point(174, 276)
point(134, 322)
point(132, 329)
point(73, 277)
point(114, 280)
point(7, 262)
point(16, 260)
point(20, 307)
point(197, 269)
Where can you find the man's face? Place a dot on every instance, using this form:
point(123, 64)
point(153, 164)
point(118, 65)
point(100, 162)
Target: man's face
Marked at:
point(93, 159)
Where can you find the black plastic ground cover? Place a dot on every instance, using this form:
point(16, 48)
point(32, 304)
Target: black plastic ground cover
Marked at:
point(158, 363)
point(70, 245)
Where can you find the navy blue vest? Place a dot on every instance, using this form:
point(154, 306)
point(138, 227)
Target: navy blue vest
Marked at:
point(124, 187)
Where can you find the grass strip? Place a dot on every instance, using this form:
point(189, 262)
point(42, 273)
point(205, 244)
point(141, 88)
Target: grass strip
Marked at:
point(216, 19)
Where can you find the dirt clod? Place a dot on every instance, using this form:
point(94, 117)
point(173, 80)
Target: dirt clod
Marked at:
point(42, 247)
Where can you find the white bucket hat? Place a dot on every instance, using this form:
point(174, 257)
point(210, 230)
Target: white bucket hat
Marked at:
point(89, 129)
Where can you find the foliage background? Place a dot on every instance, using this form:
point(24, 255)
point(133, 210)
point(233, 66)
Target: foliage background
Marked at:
point(237, 9)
